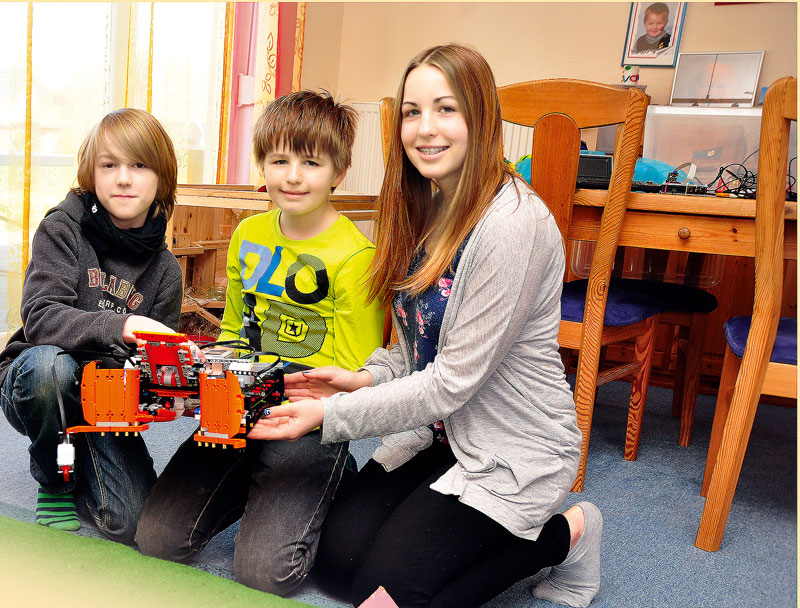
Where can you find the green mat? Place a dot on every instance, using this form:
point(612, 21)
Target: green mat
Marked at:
point(44, 568)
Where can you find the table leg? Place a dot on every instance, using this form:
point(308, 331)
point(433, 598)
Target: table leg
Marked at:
point(691, 377)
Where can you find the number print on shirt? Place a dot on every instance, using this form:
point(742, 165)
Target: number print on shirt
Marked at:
point(320, 272)
point(287, 329)
point(266, 266)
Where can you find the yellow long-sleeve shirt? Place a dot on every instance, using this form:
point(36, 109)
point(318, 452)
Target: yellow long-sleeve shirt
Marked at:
point(309, 295)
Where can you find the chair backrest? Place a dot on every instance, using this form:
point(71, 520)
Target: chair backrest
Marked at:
point(779, 109)
point(555, 152)
point(557, 109)
point(386, 110)
point(386, 107)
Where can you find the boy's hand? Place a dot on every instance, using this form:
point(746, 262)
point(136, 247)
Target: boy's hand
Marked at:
point(289, 422)
point(324, 382)
point(197, 353)
point(140, 323)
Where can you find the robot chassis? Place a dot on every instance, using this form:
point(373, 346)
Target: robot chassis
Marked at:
point(165, 379)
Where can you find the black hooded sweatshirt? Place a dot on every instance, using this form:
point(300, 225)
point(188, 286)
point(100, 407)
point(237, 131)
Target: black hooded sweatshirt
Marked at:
point(74, 298)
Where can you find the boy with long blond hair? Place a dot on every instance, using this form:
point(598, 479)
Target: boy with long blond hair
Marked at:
point(99, 271)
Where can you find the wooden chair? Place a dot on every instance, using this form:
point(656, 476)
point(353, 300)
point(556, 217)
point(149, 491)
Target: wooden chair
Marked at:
point(557, 109)
point(385, 109)
point(743, 382)
point(687, 309)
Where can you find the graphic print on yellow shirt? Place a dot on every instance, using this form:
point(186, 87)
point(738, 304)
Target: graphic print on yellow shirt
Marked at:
point(304, 300)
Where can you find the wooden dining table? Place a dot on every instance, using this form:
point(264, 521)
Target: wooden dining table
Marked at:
point(696, 224)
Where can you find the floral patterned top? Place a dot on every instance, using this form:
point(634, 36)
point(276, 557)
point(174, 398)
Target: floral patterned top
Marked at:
point(421, 319)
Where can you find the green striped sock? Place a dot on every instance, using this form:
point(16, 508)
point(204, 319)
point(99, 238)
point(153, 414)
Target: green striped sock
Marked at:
point(56, 511)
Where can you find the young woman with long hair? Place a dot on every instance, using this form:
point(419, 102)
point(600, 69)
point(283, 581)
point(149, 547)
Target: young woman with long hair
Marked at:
point(480, 443)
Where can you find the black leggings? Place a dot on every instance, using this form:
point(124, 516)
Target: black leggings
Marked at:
point(423, 547)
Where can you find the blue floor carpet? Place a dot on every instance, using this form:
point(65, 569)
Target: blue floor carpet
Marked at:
point(651, 509)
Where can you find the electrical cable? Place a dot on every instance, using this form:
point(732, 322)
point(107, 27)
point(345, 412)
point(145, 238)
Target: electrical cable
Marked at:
point(59, 398)
point(239, 344)
point(740, 181)
point(746, 158)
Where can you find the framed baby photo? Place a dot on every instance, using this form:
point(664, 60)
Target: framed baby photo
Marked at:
point(654, 33)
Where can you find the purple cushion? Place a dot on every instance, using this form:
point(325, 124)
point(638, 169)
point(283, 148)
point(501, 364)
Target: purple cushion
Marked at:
point(785, 349)
point(622, 307)
point(675, 296)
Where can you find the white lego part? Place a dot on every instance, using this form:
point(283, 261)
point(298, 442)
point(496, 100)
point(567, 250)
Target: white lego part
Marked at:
point(65, 455)
point(215, 435)
point(221, 353)
point(179, 405)
point(690, 173)
point(242, 366)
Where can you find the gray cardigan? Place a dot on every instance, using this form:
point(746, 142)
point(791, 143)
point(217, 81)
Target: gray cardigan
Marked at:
point(497, 380)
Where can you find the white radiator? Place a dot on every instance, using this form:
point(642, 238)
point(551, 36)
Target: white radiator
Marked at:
point(517, 141)
point(366, 173)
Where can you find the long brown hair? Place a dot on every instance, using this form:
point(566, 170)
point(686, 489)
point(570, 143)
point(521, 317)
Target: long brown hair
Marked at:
point(144, 139)
point(406, 202)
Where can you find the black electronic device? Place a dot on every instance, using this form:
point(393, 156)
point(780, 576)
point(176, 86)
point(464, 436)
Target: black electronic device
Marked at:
point(594, 171)
point(648, 186)
point(688, 189)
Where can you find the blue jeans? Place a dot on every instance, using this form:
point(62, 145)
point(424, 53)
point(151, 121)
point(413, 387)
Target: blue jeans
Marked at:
point(113, 475)
point(280, 489)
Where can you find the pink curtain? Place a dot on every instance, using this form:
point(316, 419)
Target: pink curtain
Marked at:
point(242, 82)
point(287, 28)
point(244, 77)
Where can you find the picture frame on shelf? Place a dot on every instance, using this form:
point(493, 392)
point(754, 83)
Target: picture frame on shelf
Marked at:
point(654, 34)
point(717, 80)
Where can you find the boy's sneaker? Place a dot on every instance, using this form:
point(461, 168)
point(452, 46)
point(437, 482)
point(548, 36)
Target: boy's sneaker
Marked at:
point(56, 511)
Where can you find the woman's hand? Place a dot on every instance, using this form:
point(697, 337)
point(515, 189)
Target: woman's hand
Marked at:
point(289, 422)
point(324, 382)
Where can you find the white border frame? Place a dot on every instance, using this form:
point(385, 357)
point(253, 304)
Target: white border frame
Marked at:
point(745, 103)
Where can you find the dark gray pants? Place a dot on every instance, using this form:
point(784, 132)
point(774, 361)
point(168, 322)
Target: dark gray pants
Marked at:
point(280, 489)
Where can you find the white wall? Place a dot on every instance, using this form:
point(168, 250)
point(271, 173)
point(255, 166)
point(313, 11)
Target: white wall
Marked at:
point(358, 50)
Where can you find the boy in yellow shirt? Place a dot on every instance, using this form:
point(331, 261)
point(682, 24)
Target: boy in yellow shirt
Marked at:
point(296, 287)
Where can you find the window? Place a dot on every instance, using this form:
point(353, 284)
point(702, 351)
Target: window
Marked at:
point(88, 59)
